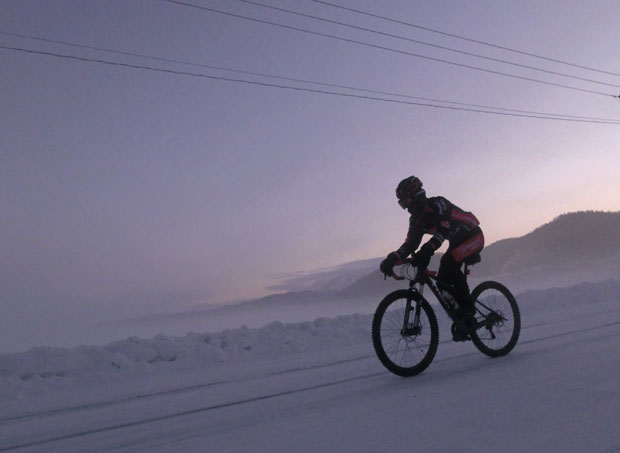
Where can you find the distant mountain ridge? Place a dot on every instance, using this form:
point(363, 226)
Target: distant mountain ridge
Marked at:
point(580, 236)
point(333, 278)
point(566, 252)
point(573, 247)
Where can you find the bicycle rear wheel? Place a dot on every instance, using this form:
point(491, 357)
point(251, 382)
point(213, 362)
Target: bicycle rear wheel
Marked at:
point(405, 346)
point(497, 317)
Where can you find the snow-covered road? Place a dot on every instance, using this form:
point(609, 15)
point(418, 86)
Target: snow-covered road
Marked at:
point(559, 390)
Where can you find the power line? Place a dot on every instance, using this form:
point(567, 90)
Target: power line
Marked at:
point(353, 41)
point(302, 89)
point(465, 39)
point(291, 79)
point(462, 52)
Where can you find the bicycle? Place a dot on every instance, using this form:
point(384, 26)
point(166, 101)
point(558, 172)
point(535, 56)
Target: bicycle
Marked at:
point(405, 332)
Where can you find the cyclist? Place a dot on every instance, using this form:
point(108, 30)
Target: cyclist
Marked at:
point(442, 219)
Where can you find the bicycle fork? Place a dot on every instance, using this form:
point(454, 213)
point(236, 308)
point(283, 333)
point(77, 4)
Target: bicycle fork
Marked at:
point(411, 328)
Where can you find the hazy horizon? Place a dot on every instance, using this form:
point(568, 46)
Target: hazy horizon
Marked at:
point(128, 191)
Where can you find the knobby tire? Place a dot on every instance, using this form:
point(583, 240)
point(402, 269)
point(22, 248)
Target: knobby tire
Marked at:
point(495, 296)
point(404, 355)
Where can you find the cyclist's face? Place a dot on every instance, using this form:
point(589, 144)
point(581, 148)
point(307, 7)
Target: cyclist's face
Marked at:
point(404, 202)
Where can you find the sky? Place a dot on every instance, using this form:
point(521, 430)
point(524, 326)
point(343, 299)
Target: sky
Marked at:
point(127, 191)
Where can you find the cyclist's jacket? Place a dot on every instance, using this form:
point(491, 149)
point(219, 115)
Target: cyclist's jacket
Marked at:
point(443, 220)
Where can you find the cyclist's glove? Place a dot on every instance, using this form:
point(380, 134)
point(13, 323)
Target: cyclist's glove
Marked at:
point(422, 258)
point(388, 263)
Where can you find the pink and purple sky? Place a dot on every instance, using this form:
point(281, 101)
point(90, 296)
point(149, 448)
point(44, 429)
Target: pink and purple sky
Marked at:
point(127, 191)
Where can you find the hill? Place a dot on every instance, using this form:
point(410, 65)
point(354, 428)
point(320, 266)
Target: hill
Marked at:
point(575, 238)
point(572, 248)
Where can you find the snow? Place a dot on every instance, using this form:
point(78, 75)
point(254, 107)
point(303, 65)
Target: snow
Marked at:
point(317, 386)
point(38, 368)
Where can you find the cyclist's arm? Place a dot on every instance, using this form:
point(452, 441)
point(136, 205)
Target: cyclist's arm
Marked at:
point(435, 242)
point(441, 212)
point(414, 237)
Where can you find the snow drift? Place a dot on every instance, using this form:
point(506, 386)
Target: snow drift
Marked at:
point(39, 367)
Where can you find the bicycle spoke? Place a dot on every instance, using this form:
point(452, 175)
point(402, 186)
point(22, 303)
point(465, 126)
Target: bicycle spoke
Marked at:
point(405, 343)
point(498, 319)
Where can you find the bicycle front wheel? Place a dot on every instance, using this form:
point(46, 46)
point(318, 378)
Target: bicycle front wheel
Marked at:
point(497, 318)
point(405, 333)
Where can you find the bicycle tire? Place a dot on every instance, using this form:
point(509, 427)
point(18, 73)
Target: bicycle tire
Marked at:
point(401, 353)
point(498, 318)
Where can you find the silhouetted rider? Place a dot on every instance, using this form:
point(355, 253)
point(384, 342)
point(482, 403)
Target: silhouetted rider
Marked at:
point(445, 221)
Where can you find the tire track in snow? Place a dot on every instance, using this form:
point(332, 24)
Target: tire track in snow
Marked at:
point(270, 396)
point(189, 412)
point(98, 405)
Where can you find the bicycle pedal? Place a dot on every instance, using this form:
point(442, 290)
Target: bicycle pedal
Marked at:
point(459, 332)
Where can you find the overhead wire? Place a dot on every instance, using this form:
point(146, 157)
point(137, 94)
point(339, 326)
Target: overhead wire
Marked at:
point(302, 89)
point(436, 46)
point(402, 52)
point(290, 79)
point(452, 35)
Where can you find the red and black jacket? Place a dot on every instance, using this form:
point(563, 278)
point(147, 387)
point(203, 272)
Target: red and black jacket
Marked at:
point(442, 219)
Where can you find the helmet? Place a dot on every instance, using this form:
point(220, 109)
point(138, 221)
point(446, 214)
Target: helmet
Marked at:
point(410, 192)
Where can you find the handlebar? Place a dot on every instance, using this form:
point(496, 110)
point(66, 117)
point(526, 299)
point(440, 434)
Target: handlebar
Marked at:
point(408, 271)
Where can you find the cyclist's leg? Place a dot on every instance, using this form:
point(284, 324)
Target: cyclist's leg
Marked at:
point(451, 274)
point(450, 270)
point(467, 248)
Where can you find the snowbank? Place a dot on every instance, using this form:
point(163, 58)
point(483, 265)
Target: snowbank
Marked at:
point(204, 349)
point(559, 298)
point(47, 368)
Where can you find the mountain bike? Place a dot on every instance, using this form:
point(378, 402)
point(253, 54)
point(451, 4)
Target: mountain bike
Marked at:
point(405, 333)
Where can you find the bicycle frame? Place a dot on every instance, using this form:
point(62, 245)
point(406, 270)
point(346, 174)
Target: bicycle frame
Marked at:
point(410, 351)
point(429, 278)
point(416, 286)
